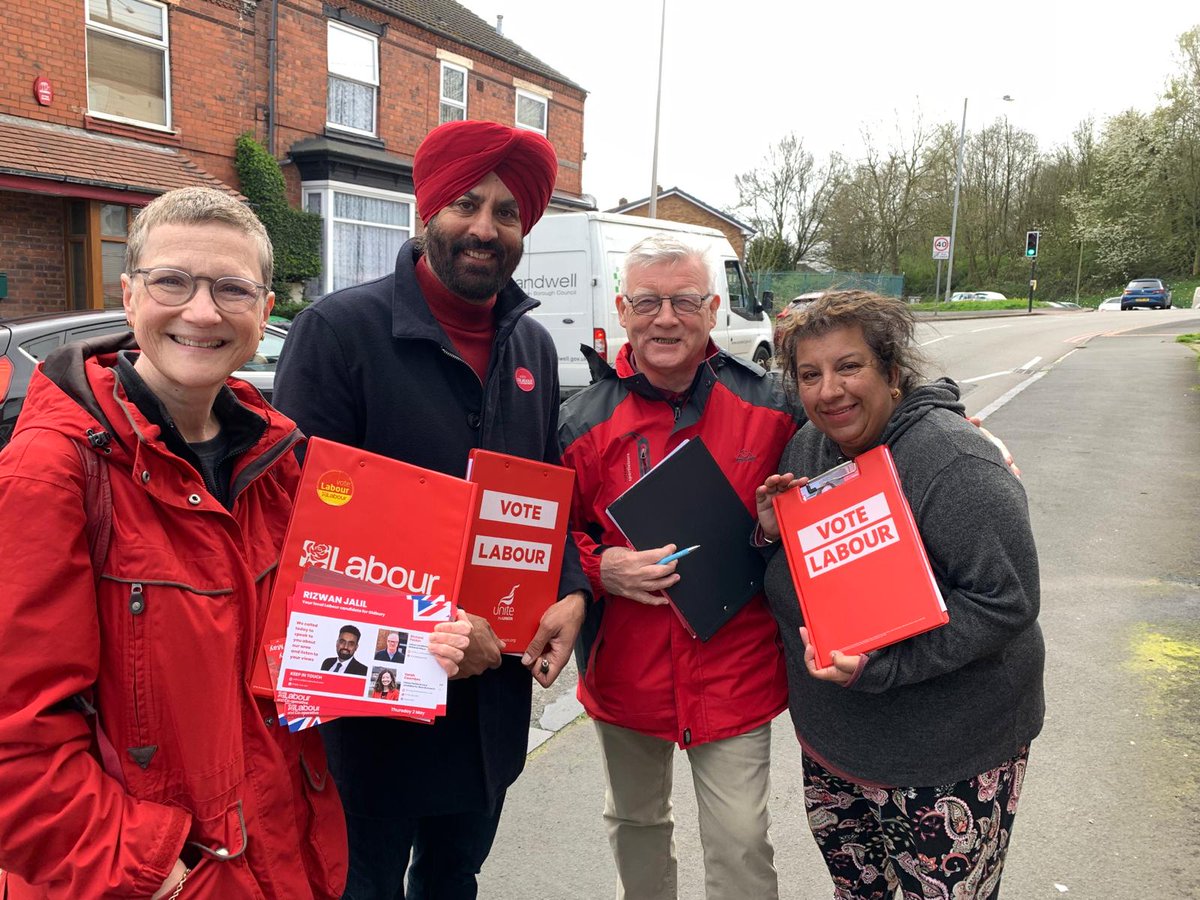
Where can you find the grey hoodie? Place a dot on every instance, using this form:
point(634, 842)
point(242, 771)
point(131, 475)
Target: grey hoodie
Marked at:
point(956, 701)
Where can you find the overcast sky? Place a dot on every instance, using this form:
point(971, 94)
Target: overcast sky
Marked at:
point(740, 74)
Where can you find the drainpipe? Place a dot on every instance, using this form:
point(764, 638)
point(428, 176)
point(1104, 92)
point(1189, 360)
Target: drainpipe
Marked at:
point(271, 63)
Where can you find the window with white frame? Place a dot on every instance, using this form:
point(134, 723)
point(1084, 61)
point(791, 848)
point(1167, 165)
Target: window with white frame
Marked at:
point(128, 61)
point(531, 111)
point(353, 79)
point(362, 230)
point(454, 94)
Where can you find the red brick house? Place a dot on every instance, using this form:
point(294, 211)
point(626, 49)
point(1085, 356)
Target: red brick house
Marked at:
point(107, 103)
point(676, 205)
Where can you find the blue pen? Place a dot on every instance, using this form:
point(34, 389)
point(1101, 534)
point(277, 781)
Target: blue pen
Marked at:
point(677, 554)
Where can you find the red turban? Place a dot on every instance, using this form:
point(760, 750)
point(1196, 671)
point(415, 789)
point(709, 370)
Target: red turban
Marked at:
point(456, 156)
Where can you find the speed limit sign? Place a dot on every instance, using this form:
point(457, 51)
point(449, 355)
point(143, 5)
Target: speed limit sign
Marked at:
point(941, 247)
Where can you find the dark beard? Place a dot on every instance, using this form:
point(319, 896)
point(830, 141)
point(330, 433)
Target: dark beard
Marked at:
point(471, 282)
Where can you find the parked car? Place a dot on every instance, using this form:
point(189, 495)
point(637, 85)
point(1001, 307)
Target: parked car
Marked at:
point(26, 341)
point(1109, 303)
point(976, 295)
point(1148, 292)
point(794, 304)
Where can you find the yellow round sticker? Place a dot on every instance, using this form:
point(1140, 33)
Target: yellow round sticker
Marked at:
point(335, 487)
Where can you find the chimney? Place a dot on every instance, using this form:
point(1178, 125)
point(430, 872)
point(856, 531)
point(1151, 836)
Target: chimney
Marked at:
point(499, 24)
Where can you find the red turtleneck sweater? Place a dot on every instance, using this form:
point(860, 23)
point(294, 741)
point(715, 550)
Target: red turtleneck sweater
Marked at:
point(471, 327)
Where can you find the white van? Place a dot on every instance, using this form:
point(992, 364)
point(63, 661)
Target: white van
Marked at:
point(572, 264)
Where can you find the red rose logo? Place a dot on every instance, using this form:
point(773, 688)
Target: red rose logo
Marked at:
point(315, 554)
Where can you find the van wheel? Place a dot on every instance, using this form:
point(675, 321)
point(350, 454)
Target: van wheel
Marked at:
point(762, 356)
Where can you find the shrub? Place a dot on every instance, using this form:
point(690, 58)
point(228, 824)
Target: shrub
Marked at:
point(295, 234)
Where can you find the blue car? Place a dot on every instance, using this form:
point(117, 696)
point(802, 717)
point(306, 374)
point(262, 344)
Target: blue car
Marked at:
point(1148, 292)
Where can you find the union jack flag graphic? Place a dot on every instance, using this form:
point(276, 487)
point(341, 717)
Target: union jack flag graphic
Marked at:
point(430, 609)
point(301, 723)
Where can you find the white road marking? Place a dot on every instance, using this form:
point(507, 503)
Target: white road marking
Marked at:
point(985, 377)
point(1029, 365)
point(995, 405)
point(990, 328)
point(934, 341)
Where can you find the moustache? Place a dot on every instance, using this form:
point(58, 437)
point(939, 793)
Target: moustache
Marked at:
point(472, 243)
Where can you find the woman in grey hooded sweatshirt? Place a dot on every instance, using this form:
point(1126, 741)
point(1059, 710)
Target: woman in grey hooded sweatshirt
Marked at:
point(913, 754)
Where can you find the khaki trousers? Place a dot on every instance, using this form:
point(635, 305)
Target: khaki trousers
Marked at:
point(732, 783)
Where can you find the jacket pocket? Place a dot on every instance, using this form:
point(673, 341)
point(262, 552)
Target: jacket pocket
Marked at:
point(168, 690)
point(214, 879)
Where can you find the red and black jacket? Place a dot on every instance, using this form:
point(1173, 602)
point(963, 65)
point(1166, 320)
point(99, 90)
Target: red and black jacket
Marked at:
point(640, 668)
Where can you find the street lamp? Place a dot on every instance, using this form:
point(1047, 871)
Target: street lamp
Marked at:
point(962, 134)
point(662, 37)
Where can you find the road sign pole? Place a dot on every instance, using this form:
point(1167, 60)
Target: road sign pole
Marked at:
point(937, 292)
point(1032, 273)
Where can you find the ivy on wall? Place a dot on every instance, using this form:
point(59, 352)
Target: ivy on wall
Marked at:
point(295, 234)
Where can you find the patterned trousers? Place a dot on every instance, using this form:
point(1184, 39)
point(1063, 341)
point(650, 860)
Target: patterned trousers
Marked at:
point(932, 843)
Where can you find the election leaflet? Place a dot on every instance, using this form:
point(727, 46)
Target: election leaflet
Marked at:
point(375, 520)
point(517, 541)
point(354, 649)
point(857, 559)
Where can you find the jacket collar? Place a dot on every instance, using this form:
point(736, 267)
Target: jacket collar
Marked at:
point(411, 318)
point(245, 427)
point(637, 383)
point(80, 396)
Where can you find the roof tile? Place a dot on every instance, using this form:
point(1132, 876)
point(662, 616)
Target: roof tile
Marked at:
point(73, 155)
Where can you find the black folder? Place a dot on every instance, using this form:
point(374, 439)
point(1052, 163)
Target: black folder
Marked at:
point(686, 500)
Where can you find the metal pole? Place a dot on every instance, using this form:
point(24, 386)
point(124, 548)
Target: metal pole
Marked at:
point(1079, 270)
point(962, 134)
point(937, 291)
point(662, 33)
point(1032, 273)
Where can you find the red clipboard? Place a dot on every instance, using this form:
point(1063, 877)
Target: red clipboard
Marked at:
point(374, 519)
point(518, 536)
point(856, 558)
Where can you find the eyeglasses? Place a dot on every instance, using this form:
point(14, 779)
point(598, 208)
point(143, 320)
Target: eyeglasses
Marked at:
point(174, 287)
point(682, 304)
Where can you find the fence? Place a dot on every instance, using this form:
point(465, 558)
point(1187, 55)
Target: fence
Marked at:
point(787, 285)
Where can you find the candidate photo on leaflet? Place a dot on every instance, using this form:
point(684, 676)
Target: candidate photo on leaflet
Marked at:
point(383, 684)
point(423, 365)
point(914, 755)
point(177, 782)
point(393, 645)
point(347, 645)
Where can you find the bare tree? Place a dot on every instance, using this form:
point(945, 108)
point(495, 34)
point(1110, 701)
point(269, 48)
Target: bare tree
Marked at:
point(787, 200)
point(882, 201)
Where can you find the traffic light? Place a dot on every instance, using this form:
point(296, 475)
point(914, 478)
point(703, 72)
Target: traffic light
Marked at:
point(1031, 244)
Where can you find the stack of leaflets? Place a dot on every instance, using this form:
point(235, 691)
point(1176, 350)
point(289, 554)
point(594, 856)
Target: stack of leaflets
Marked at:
point(334, 620)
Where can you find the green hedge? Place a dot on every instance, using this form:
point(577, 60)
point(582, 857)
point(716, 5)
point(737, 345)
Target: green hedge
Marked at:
point(295, 234)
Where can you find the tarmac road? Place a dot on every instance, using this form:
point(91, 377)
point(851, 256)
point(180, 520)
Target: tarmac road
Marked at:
point(1109, 444)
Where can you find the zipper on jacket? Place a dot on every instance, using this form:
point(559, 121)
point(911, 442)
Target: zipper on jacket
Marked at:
point(137, 607)
point(482, 386)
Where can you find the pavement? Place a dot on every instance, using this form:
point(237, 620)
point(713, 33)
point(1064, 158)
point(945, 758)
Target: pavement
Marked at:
point(1109, 806)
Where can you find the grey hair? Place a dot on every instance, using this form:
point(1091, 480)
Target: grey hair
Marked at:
point(199, 206)
point(888, 327)
point(662, 247)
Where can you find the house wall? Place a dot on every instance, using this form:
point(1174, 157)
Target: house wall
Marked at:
point(33, 253)
point(409, 91)
point(677, 209)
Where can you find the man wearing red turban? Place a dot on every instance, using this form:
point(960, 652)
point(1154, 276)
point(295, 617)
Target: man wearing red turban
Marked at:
point(423, 365)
